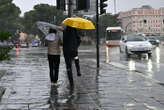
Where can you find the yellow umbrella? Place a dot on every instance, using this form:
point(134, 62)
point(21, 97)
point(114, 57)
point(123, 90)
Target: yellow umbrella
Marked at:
point(79, 23)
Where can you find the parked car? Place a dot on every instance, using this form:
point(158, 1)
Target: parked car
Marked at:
point(24, 45)
point(153, 40)
point(135, 44)
point(6, 44)
point(35, 44)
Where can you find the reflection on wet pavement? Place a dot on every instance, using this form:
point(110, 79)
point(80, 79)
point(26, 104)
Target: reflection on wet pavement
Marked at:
point(150, 67)
point(26, 80)
point(131, 65)
point(28, 86)
point(112, 87)
point(59, 100)
point(83, 97)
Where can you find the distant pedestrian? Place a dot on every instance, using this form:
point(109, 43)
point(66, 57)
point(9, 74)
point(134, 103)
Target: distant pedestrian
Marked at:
point(54, 40)
point(71, 42)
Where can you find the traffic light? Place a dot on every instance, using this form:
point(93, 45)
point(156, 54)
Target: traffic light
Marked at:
point(102, 6)
point(60, 4)
point(145, 21)
point(82, 4)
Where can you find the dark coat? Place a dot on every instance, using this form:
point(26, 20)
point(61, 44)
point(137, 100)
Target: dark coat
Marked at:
point(71, 41)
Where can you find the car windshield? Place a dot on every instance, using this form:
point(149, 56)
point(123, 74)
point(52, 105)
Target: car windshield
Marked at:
point(135, 38)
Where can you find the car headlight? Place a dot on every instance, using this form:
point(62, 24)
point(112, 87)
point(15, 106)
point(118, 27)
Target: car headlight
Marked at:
point(157, 40)
point(130, 46)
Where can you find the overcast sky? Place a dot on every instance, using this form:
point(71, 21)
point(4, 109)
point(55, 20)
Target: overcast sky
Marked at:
point(121, 5)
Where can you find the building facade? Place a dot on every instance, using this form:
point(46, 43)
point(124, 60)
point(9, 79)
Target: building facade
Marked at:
point(143, 20)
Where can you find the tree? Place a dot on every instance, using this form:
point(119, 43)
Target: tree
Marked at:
point(9, 17)
point(106, 21)
point(42, 12)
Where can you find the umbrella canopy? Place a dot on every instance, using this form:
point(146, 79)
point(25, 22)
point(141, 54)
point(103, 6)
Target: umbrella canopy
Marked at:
point(45, 26)
point(79, 23)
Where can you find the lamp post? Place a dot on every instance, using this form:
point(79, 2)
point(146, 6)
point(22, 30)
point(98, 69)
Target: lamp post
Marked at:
point(70, 10)
point(114, 6)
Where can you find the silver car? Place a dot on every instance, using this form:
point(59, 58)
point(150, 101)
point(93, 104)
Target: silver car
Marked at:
point(135, 44)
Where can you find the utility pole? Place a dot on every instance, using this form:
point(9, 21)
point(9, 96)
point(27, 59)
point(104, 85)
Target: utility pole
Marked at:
point(97, 33)
point(70, 10)
point(114, 6)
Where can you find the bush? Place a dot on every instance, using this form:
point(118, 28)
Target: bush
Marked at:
point(4, 49)
point(4, 53)
point(4, 36)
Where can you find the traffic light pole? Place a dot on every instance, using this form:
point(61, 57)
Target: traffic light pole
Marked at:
point(70, 11)
point(97, 33)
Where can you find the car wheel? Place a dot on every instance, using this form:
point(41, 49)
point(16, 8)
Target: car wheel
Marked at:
point(126, 52)
point(139, 55)
point(120, 50)
point(149, 55)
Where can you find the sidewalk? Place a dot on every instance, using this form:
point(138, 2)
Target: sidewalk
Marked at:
point(113, 87)
point(26, 81)
point(27, 84)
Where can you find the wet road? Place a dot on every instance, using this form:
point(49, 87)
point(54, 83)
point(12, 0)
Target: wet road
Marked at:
point(141, 89)
point(149, 67)
point(120, 84)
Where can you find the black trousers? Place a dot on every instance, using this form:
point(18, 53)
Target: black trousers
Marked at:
point(68, 60)
point(54, 62)
point(77, 62)
point(69, 57)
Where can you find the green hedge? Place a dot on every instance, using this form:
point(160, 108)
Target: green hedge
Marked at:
point(4, 35)
point(4, 53)
point(4, 50)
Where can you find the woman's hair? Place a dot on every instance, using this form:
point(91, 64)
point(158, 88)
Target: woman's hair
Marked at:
point(52, 30)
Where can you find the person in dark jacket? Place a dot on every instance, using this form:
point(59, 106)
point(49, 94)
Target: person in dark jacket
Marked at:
point(71, 42)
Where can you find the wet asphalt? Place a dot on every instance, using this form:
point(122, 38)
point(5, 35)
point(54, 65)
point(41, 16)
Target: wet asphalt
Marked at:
point(111, 87)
